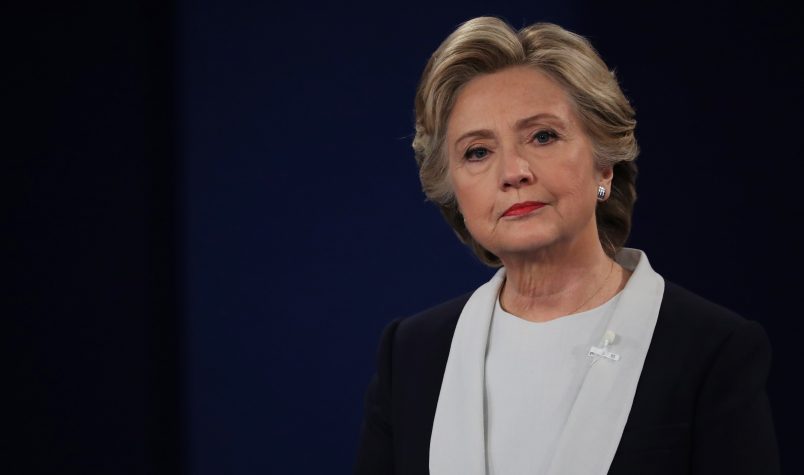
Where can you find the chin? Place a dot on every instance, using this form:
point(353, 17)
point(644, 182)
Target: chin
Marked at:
point(521, 247)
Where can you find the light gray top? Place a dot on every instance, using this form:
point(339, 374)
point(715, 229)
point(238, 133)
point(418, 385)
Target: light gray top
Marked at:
point(534, 371)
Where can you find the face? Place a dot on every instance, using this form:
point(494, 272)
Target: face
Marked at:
point(521, 166)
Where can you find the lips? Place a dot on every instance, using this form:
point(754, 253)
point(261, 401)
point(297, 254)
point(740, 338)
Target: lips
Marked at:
point(522, 208)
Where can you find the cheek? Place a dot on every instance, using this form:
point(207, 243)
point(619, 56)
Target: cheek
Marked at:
point(475, 202)
point(578, 176)
point(469, 193)
point(577, 193)
point(467, 202)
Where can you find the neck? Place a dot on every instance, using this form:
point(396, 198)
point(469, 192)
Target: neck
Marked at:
point(558, 282)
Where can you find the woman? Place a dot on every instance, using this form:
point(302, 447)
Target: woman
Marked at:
point(576, 357)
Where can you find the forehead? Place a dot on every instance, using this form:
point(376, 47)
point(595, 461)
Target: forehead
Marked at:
point(504, 97)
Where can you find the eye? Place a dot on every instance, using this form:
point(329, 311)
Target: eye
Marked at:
point(544, 137)
point(476, 154)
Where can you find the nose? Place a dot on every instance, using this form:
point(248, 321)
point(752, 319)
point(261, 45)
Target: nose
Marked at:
point(515, 170)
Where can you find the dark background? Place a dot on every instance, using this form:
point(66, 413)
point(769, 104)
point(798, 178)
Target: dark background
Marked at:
point(214, 210)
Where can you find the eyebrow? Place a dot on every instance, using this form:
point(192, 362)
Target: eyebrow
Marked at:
point(520, 124)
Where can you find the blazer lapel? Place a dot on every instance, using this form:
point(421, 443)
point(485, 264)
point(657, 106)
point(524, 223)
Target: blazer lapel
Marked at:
point(597, 419)
point(458, 441)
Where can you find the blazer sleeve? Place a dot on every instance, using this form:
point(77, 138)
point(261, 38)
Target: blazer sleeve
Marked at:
point(733, 430)
point(375, 449)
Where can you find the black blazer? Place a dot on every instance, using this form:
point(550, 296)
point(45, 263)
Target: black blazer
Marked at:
point(700, 405)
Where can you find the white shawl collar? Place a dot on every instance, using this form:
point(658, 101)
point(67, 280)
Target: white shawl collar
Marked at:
point(596, 421)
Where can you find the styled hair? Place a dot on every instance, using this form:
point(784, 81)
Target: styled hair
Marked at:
point(486, 45)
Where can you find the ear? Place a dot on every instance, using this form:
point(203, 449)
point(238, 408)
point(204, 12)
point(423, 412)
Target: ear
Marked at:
point(605, 177)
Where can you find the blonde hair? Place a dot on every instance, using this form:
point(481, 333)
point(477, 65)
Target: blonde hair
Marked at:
point(485, 45)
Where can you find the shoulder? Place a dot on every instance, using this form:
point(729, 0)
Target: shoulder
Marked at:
point(700, 341)
point(419, 340)
point(435, 324)
point(416, 348)
point(703, 358)
point(693, 319)
point(402, 397)
point(690, 308)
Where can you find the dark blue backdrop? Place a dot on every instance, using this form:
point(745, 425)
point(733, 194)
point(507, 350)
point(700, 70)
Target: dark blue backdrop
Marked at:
point(219, 211)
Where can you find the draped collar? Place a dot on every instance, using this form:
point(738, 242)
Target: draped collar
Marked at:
point(596, 421)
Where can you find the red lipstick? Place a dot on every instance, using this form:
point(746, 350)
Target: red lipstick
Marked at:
point(523, 208)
